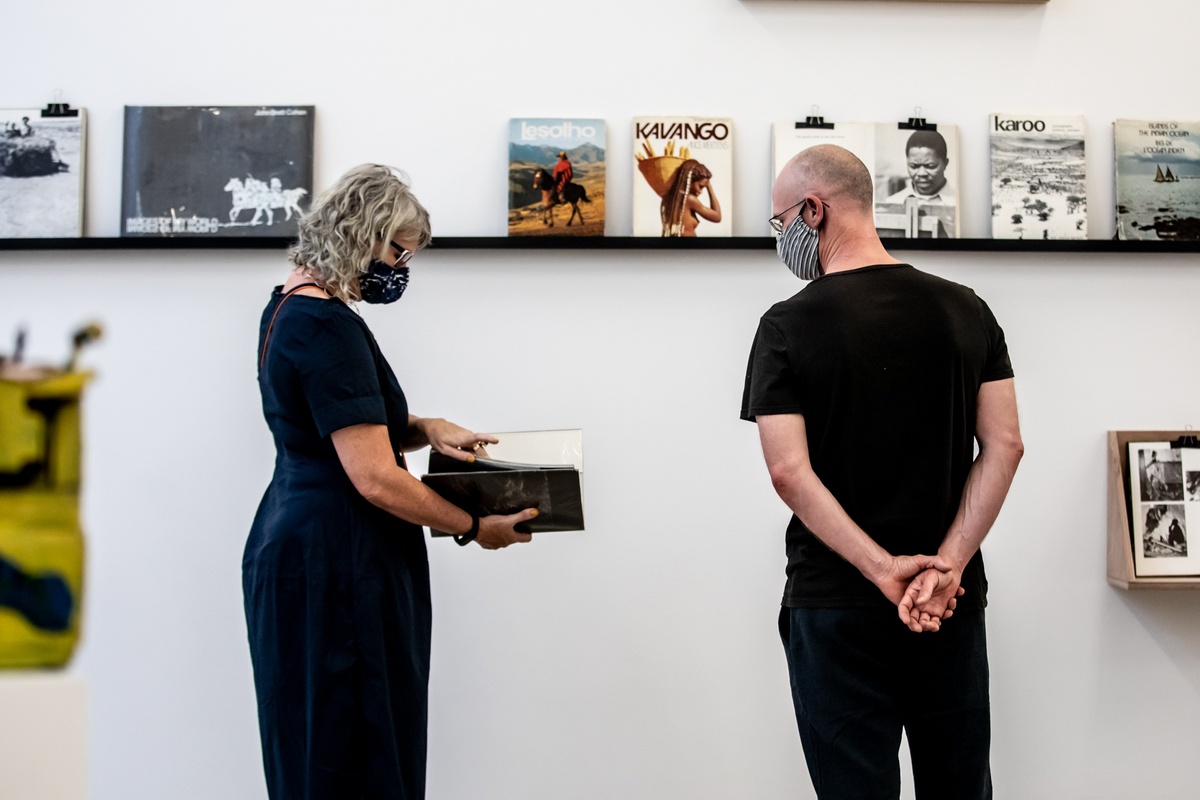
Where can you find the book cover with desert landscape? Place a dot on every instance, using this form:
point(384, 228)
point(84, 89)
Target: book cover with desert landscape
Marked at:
point(556, 177)
point(1158, 179)
point(683, 176)
point(1038, 177)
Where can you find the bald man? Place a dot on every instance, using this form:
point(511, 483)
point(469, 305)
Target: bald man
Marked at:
point(870, 388)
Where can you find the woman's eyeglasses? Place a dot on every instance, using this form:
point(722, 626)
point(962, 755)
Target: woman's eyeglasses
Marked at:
point(405, 254)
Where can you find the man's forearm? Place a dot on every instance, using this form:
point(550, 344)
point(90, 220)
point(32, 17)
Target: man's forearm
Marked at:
point(987, 485)
point(785, 448)
point(822, 514)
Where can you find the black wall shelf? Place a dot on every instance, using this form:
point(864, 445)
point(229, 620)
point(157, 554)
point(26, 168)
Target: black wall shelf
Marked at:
point(614, 243)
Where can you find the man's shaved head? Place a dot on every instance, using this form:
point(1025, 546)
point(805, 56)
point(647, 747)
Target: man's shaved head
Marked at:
point(831, 172)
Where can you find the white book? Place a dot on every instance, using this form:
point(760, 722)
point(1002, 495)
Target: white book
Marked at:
point(790, 138)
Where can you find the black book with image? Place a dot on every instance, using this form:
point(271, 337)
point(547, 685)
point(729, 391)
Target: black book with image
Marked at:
point(490, 486)
point(216, 170)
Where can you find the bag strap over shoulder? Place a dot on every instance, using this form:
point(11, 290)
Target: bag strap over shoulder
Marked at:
point(263, 356)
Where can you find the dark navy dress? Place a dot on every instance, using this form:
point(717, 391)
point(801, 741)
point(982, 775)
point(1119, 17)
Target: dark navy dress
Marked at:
point(336, 590)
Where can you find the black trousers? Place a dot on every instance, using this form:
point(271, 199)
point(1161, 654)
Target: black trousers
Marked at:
point(859, 677)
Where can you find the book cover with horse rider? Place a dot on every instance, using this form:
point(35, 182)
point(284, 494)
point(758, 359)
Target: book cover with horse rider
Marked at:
point(216, 170)
point(41, 174)
point(556, 177)
point(683, 176)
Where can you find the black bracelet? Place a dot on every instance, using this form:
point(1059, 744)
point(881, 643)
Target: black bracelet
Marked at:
point(465, 539)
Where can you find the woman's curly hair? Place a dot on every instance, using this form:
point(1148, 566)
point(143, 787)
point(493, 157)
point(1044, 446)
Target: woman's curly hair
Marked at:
point(343, 229)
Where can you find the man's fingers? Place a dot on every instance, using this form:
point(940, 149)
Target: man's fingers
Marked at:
point(925, 590)
point(940, 564)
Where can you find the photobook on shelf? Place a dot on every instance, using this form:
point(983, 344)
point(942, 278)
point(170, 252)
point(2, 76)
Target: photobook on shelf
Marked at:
point(228, 171)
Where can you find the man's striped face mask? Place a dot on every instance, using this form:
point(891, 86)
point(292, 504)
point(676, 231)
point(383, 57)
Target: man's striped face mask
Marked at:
point(797, 249)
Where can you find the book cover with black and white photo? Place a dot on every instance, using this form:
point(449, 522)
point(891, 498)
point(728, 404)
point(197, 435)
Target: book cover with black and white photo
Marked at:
point(216, 170)
point(1158, 179)
point(556, 177)
point(683, 176)
point(1164, 496)
point(42, 162)
point(916, 181)
point(1039, 186)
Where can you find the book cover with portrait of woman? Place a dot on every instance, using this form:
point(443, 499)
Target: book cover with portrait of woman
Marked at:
point(556, 176)
point(1158, 179)
point(916, 181)
point(1039, 186)
point(682, 176)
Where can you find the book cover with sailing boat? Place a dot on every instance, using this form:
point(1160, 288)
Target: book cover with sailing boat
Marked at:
point(556, 175)
point(683, 176)
point(1038, 177)
point(1158, 191)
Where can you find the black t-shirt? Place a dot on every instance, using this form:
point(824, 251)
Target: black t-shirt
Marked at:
point(885, 364)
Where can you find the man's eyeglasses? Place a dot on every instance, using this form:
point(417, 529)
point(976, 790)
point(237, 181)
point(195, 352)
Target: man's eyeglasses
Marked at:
point(405, 254)
point(777, 220)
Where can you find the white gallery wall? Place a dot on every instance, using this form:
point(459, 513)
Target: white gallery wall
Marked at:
point(638, 660)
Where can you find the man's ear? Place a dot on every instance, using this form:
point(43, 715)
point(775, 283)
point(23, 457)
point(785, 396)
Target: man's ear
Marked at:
point(817, 208)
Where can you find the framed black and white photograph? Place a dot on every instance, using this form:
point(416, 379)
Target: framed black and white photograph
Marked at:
point(916, 182)
point(1164, 482)
point(1161, 473)
point(1164, 531)
point(41, 174)
point(216, 170)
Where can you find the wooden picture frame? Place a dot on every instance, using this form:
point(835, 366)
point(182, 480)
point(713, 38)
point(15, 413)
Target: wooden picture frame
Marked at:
point(1121, 572)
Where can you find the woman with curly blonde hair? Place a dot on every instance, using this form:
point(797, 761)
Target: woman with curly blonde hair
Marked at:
point(335, 573)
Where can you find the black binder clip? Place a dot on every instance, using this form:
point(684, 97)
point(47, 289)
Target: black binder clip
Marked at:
point(58, 108)
point(814, 120)
point(916, 123)
point(1187, 440)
